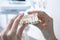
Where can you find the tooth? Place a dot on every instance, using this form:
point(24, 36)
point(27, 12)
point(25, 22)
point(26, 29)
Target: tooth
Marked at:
point(29, 19)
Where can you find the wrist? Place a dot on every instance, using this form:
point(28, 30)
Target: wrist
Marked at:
point(49, 35)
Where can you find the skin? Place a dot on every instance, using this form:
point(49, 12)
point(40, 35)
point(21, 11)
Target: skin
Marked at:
point(45, 25)
point(10, 32)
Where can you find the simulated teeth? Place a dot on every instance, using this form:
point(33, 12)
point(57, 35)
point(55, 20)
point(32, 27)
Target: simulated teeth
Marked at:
point(29, 19)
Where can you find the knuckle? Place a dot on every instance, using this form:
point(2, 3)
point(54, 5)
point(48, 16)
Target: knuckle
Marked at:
point(17, 20)
point(12, 19)
point(3, 35)
point(18, 36)
point(11, 33)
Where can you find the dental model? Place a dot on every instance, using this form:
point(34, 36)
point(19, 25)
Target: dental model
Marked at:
point(29, 19)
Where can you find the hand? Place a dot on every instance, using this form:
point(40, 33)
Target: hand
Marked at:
point(45, 24)
point(10, 32)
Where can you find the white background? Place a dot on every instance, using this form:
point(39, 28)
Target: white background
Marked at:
point(53, 9)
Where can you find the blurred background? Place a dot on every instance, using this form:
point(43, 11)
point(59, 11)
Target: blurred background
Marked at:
point(9, 8)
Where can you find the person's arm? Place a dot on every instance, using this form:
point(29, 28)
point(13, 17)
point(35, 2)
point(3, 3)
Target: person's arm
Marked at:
point(48, 33)
point(45, 25)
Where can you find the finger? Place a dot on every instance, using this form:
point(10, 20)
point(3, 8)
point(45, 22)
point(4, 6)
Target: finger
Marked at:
point(15, 24)
point(32, 12)
point(20, 31)
point(9, 25)
point(40, 13)
point(42, 16)
point(45, 18)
